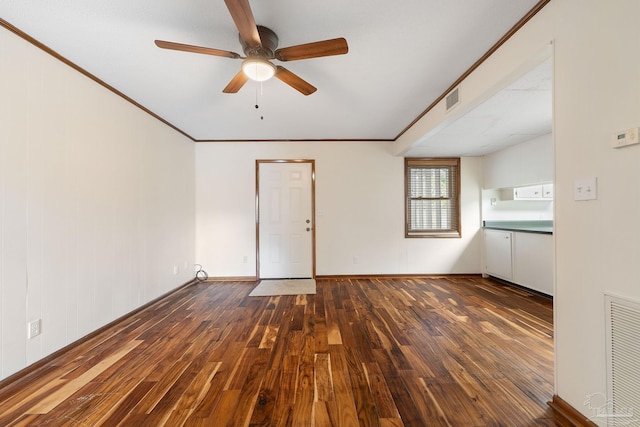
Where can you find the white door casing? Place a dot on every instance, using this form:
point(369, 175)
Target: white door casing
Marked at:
point(285, 219)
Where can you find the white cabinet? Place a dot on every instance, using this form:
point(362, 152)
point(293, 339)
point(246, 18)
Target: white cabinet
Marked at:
point(530, 192)
point(533, 261)
point(525, 259)
point(498, 253)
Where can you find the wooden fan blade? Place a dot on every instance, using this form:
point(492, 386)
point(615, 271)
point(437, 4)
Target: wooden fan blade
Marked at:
point(243, 17)
point(294, 81)
point(196, 49)
point(313, 50)
point(236, 83)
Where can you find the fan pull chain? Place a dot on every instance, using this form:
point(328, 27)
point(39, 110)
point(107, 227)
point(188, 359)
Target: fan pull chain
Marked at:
point(261, 92)
point(257, 98)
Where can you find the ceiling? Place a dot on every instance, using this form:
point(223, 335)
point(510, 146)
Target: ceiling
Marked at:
point(519, 112)
point(402, 57)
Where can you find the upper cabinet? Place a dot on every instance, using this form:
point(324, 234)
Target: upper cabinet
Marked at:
point(530, 192)
point(527, 163)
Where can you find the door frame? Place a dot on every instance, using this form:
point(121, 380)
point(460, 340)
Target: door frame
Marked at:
point(313, 209)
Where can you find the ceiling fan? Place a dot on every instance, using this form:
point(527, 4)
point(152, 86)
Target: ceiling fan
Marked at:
point(259, 44)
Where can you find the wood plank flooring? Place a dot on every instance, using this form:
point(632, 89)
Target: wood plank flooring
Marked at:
point(447, 351)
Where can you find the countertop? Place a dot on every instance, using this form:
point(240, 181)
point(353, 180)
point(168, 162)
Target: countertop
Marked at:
point(543, 227)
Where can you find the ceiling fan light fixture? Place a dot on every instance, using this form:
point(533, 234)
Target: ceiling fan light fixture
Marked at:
point(258, 69)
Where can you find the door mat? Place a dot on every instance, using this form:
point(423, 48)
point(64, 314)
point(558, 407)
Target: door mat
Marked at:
point(273, 287)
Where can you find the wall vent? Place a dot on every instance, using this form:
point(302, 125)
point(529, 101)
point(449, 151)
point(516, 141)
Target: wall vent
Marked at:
point(452, 99)
point(623, 362)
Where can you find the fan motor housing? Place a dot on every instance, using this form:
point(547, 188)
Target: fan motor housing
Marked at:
point(269, 41)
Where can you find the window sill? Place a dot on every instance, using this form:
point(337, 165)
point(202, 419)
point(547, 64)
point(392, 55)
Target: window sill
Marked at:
point(446, 235)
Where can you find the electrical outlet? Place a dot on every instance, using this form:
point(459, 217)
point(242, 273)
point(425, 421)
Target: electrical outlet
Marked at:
point(175, 270)
point(33, 328)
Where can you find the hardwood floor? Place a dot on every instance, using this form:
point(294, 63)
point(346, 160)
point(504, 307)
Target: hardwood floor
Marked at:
point(445, 351)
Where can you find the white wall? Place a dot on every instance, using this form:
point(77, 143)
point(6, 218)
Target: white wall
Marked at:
point(359, 211)
point(530, 162)
point(514, 210)
point(96, 205)
point(527, 163)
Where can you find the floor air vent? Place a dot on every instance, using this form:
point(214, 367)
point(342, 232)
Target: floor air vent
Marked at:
point(623, 360)
point(452, 99)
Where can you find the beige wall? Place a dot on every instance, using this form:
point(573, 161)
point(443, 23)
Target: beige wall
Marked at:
point(96, 205)
point(597, 93)
point(359, 211)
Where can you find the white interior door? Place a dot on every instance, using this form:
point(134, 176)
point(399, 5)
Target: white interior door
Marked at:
point(285, 220)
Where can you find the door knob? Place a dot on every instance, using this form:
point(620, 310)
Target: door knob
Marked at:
point(308, 229)
point(308, 221)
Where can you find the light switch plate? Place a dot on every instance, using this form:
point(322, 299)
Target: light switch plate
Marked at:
point(585, 189)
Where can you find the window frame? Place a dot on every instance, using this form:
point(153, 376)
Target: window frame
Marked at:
point(431, 162)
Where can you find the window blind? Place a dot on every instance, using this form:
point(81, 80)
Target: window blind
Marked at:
point(432, 197)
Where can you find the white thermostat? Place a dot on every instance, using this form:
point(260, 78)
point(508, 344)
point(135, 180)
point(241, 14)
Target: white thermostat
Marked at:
point(627, 137)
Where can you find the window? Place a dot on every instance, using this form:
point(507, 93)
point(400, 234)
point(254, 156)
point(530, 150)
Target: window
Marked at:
point(432, 193)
